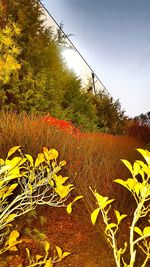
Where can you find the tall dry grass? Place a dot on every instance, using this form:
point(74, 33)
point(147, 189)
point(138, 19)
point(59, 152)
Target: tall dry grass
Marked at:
point(92, 159)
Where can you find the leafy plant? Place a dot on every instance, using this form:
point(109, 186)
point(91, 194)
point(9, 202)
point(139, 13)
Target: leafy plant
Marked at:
point(25, 183)
point(141, 193)
point(47, 260)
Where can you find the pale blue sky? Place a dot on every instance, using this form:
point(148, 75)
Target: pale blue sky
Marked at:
point(114, 38)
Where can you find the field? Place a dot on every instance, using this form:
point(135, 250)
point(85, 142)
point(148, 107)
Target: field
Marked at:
point(93, 160)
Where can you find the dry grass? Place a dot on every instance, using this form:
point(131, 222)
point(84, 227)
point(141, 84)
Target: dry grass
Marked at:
point(93, 159)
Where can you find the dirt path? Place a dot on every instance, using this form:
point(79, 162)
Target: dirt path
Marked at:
point(73, 233)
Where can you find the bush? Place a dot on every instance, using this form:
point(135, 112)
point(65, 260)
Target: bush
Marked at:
point(138, 238)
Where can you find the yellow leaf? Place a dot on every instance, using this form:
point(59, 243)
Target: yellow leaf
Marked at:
point(110, 226)
point(136, 168)
point(62, 163)
point(9, 191)
point(53, 154)
point(69, 206)
point(59, 251)
point(14, 248)
point(94, 215)
point(49, 263)
point(12, 151)
point(47, 246)
point(146, 154)
point(40, 159)
point(1, 161)
point(38, 257)
point(65, 254)
point(63, 191)
point(138, 230)
point(12, 241)
point(30, 159)
point(128, 165)
point(28, 253)
point(119, 217)
point(10, 217)
point(146, 231)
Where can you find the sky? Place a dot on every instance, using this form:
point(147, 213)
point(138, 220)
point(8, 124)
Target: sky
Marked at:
point(114, 38)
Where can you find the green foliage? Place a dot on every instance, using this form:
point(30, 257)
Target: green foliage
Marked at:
point(141, 193)
point(34, 77)
point(26, 183)
point(110, 117)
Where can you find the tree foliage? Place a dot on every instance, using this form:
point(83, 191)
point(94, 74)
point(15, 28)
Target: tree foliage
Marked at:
point(34, 77)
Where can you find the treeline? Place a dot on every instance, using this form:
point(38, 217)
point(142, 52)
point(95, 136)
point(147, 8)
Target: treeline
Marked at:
point(35, 79)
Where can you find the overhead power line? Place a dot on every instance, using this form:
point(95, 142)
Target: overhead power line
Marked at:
point(74, 47)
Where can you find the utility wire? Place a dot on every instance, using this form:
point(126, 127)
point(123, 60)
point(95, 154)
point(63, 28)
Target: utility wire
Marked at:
point(73, 46)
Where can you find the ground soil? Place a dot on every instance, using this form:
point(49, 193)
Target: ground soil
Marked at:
point(73, 233)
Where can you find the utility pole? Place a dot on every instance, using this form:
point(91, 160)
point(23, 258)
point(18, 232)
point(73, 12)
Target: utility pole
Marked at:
point(93, 76)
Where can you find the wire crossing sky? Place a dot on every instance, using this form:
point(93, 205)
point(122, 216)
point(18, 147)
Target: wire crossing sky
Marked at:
point(114, 38)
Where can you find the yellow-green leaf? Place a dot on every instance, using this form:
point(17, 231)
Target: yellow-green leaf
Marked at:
point(12, 151)
point(94, 215)
point(10, 217)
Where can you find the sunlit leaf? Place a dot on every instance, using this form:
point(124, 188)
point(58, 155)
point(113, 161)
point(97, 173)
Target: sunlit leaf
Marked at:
point(38, 257)
point(136, 168)
point(69, 206)
point(47, 246)
point(131, 183)
point(62, 163)
point(94, 215)
point(12, 151)
point(53, 154)
point(59, 251)
point(128, 165)
point(10, 217)
point(63, 191)
point(40, 159)
point(14, 248)
point(30, 159)
point(146, 231)
point(119, 216)
point(48, 263)
point(146, 154)
point(138, 230)
point(110, 226)
point(28, 253)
